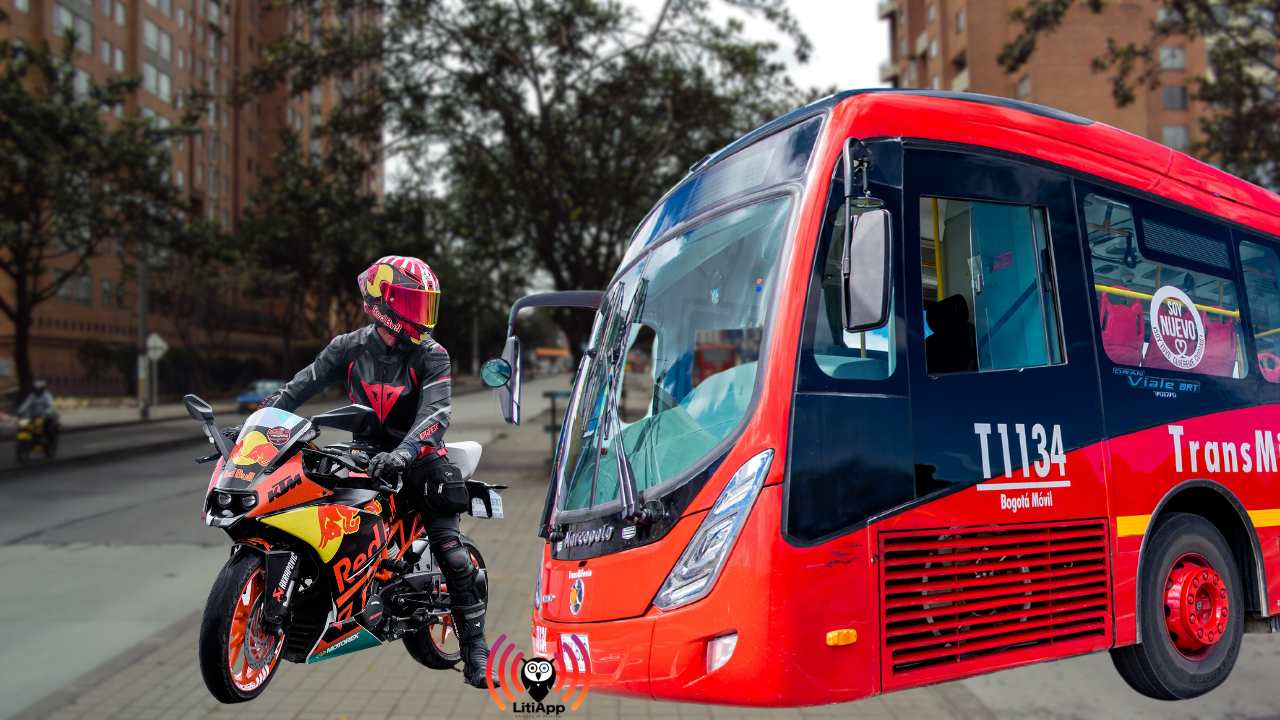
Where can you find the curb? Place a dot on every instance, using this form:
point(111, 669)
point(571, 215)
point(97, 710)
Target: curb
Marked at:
point(35, 467)
point(19, 471)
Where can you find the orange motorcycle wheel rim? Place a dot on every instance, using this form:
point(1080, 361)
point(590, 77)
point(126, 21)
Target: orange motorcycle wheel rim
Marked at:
point(252, 650)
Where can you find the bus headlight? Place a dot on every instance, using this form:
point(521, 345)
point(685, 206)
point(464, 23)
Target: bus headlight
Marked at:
point(702, 560)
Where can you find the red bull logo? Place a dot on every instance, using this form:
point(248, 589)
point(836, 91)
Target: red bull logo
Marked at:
point(336, 522)
point(253, 449)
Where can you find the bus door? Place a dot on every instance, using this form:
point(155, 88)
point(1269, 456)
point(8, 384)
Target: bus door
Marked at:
point(1008, 465)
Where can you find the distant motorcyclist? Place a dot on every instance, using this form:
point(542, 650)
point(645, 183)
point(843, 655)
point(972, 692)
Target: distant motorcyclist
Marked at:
point(38, 405)
point(395, 367)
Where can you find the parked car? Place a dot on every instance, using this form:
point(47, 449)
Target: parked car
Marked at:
point(258, 390)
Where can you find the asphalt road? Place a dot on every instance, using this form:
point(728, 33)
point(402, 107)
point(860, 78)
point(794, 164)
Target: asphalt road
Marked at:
point(96, 557)
point(98, 561)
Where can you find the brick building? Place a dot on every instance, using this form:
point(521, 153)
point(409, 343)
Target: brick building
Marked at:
point(953, 45)
point(174, 46)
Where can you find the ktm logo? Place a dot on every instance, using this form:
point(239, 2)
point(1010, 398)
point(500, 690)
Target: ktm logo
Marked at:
point(283, 487)
point(335, 522)
point(382, 397)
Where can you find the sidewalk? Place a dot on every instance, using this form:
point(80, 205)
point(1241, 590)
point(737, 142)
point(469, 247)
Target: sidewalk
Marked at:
point(98, 433)
point(159, 678)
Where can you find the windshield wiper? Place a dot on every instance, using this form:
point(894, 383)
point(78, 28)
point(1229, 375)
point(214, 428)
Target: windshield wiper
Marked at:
point(628, 494)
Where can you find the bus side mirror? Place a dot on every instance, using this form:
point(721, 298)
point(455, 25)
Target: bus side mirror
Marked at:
point(503, 374)
point(864, 267)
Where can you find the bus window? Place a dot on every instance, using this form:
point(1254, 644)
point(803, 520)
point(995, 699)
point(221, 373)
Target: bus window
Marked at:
point(1262, 289)
point(1204, 339)
point(841, 355)
point(989, 297)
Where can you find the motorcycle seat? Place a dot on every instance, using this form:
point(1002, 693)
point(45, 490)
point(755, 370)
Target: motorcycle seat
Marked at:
point(466, 455)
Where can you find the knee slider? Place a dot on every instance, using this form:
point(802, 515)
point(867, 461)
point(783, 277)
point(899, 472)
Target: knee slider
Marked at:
point(452, 555)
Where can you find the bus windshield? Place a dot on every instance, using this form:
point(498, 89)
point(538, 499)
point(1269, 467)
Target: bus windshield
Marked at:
point(673, 355)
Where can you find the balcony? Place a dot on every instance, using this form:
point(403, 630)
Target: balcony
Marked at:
point(886, 8)
point(888, 71)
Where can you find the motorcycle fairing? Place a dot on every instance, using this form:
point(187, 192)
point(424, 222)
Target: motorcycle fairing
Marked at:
point(264, 436)
point(341, 638)
point(325, 527)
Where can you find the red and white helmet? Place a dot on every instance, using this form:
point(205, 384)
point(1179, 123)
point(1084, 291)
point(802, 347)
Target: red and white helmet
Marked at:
point(402, 295)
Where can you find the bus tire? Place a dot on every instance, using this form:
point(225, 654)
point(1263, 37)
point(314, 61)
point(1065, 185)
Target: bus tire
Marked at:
point(1191, 612)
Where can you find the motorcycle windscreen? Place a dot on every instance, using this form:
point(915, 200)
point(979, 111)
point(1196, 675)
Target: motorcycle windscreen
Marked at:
point(265, 436)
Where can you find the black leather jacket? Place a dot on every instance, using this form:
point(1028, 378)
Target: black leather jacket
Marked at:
point(408, 388)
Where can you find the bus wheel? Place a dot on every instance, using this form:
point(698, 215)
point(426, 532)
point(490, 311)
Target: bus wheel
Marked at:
point(1191, 612)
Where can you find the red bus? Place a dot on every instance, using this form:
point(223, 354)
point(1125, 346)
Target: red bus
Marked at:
point(1003, 391)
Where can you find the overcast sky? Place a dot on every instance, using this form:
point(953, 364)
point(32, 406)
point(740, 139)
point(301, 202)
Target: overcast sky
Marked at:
point(849, 42)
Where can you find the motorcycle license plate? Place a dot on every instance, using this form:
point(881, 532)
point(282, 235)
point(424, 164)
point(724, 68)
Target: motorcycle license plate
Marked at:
point(478, 509)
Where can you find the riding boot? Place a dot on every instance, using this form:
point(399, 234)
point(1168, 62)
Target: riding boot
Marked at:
point(468, 620)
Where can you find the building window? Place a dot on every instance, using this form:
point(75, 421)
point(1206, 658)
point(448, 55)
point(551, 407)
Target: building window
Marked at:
point(104, 6)
point(182, 18)
point(82, 84)
point(960, 18)
point(157, 40)
point(1173, 58)
point(76, 289)
point(1177, 137)
point(64, 20)
point(119, 60)
point(989, 293)
point(165, 6)
point(179, 180)
point(108, 294)
point(22, 5)
point(936, 83)
point(156, 82)
point(933, 11)
point(1175, 97)
point(105, 52)
point(1023, 89)
point(933, 48)
point(120, 16)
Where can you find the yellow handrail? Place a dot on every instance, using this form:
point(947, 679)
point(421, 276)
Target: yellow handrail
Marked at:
point(1267, 333)
point(1125, 292)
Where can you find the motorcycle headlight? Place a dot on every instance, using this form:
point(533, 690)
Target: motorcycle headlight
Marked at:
point(702, 560)
point(223, 499)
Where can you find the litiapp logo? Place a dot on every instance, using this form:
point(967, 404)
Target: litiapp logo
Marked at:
point(555, 685)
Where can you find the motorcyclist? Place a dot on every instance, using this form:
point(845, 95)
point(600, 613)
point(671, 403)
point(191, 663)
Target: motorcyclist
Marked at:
point(39, 405)
point(395, 367)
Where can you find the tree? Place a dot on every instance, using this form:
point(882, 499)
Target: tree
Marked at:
point(545, 129)
point(72, 179)
point(1241, 129)
point(308, 231)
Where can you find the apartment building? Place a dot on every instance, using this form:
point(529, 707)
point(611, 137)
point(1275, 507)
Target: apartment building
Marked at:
point(175, 46)
point(953, 45)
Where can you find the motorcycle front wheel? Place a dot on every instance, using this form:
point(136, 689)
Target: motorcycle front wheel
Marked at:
point(238, 654)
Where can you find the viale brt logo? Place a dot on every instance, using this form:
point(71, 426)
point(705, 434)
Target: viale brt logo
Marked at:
point(553, 685)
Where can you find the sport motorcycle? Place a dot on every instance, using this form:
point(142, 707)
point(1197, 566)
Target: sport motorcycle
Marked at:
point(325, 560)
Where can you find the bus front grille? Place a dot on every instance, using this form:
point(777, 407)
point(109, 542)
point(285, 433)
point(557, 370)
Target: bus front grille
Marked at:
point(970, 599)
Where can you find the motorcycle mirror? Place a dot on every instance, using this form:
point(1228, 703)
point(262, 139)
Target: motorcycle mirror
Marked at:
point(198, 409)
point(495, 372)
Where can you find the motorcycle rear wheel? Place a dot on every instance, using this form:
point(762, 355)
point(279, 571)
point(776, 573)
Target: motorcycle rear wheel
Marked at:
point(436, 646)
point(238, 655)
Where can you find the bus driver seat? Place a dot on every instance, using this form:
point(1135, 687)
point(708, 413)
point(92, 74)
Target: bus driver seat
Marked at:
point(951, 348)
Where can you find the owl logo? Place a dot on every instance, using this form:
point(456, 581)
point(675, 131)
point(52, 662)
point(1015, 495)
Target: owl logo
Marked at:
point(539, 676)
